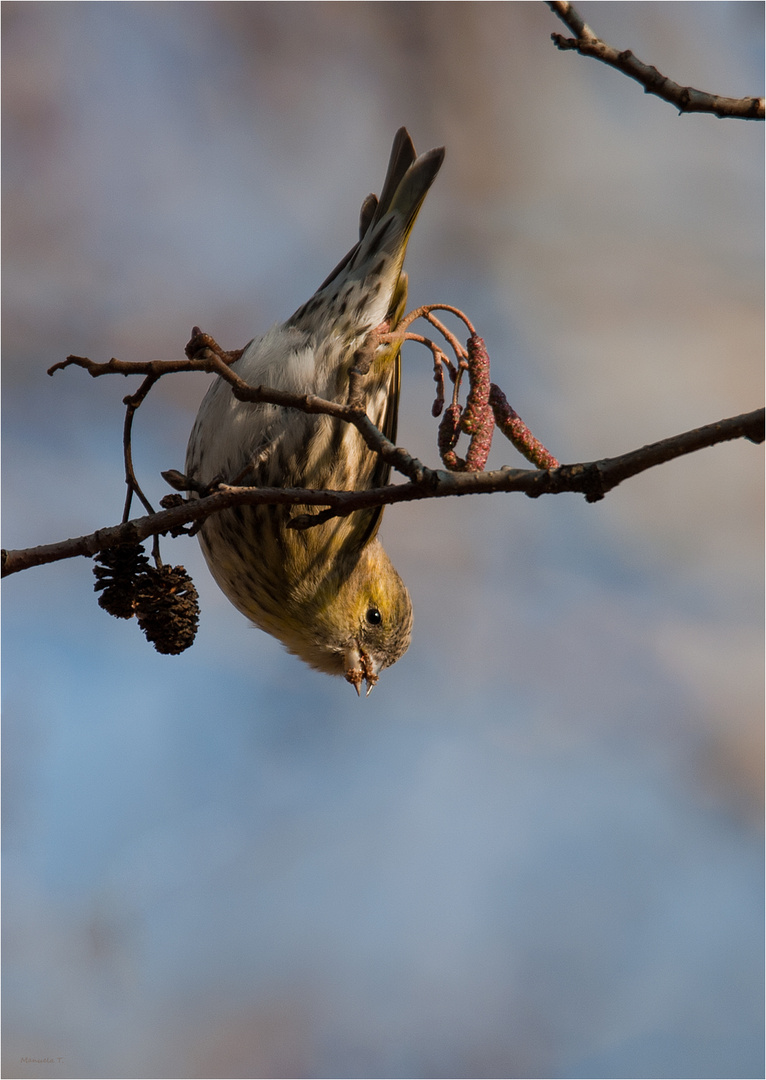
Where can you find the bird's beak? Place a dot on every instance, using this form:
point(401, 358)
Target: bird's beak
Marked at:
point(371, 672)
point(360, 666)
point(354, 667)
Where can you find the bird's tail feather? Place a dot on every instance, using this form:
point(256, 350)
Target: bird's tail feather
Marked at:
point(407, 181)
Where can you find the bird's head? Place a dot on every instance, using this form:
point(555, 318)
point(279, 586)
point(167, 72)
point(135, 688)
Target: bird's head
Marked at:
point(357, 622)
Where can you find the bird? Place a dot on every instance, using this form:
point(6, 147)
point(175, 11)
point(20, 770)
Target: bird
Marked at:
point(329, 593)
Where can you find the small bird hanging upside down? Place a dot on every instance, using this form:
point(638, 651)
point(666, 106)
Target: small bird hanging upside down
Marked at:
point(329, 593)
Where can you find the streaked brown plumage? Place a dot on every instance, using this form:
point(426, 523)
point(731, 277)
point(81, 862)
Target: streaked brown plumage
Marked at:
point(329, 593)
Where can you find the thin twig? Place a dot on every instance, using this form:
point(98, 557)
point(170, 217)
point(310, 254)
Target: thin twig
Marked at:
point(426, 312)
point(131, 481)
point(685, 98)
point(308, 403)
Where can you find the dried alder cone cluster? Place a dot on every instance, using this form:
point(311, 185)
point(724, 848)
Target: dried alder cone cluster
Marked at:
point(163, 598)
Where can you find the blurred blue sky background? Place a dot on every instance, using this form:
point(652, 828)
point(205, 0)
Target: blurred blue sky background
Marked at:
point(536, 849)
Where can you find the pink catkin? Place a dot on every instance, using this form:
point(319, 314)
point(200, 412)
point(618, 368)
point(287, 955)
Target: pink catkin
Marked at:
point(477, 420)
point(481, 444)
point(438, 405)
point(449, 432)
point(514, 428)
point(478, 395)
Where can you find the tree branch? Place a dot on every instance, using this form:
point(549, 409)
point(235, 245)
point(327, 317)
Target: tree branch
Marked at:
point(210, 361)
point(685, 98)
point(593, 479)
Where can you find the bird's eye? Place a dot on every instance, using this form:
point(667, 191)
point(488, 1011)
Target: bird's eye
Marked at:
point(373, 616)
